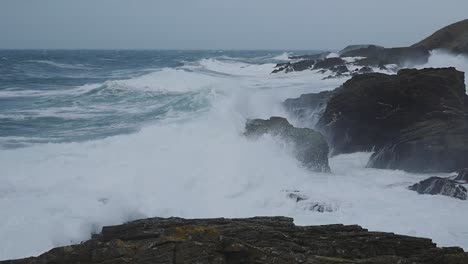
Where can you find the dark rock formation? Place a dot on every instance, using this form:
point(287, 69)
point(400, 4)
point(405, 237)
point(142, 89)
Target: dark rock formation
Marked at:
point(296, 66)
point(441, 186)
point(373, 56)
point(462, 176)
point(376, 55)
point(329, 63)
point(453, 38)
point(357, 47)
point(310, 147)
point(303, 200)
point(255, 240)
point(416, 120)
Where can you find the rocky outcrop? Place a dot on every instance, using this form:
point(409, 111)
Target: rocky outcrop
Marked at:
point(440, 186)
point(379, 56)
point(307, 204)
point(253, 240)
point(416, 120)
point(329, 63)
point(310, 147)
point(365, 57)
point(296, 66)
point(453, 38)
point(357, 47)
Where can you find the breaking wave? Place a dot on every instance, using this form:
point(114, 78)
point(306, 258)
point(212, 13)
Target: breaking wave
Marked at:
point(187, 157)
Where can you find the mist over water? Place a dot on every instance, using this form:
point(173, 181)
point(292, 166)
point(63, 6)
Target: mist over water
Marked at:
point(119, 137)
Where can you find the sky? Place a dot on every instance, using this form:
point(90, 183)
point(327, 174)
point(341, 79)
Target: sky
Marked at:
point(221, 24)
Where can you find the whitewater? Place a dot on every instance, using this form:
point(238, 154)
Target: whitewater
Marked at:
point(166, 140)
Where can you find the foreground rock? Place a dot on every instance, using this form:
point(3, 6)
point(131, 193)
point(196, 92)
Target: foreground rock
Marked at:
point(441, 186)
point(254, 240)
point(310, 147)
point(453, 38)
point(416, 120)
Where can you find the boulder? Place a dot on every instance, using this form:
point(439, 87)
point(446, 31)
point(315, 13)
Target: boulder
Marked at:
point(453, 38)
point(310, 147)
point(440, 186)
point(274, 240)
point(416, 120)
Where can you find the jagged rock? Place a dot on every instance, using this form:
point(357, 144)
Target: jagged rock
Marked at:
point(308, 106)
point(310, 147)
point(462, 176)
point(340, 69)
point(321, 207)
point(329, 63)
point(273, 240)
point(297, 197)
point(365, 70)
point(357, 47)
point(442, 186)
point(336, 65)
point(296, 66)
point(303, 200)
point(376, 55)
point(415, 120)
point(453, 38)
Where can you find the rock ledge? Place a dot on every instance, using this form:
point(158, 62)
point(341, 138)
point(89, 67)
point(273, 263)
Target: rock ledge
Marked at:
point(251, 240)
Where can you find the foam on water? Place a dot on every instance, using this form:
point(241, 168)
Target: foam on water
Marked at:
point(441, 58)
point(198, 164)
point(283, 57)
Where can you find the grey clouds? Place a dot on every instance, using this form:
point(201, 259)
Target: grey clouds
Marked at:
point(221, 24)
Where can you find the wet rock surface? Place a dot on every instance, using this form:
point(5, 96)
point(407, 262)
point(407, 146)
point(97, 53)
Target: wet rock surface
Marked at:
point(416, 120)
point(310, 147)
point(440, 186)
point(376, 55)
point(453, 38)
point(251, 240)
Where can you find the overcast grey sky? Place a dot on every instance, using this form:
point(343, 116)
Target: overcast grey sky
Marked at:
point(221, 24)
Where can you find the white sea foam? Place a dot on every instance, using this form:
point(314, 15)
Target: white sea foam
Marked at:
point(64, 65)
point(283, 57)
point(8, 93)
point(201, 166)
point(441, 58)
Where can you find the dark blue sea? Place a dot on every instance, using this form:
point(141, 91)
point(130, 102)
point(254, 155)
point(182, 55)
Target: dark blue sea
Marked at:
point(76, 95)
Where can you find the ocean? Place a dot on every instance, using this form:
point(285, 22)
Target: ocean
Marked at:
point(99, 137)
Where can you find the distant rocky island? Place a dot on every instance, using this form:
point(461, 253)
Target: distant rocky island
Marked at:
point(412, 120)
point(359, 59)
